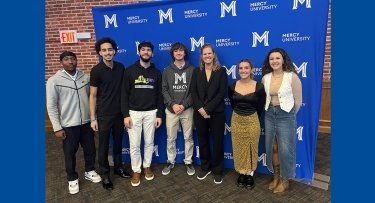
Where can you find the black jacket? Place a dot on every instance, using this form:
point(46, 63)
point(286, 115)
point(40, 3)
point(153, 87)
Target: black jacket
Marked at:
point(209, 95)
point(141, 90)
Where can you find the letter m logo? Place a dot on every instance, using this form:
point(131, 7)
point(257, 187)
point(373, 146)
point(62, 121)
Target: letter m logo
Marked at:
point(295, 3)
point(226, 129)
point(136, 46)
point(156, 150)
point(302, 68)
point(195, 43)
point(263, 158)
point(111, 20)
point(180, 78)
point(232, 71)
point(166, 16)
point(231, 7)
point(300, 133)
point(257, 38)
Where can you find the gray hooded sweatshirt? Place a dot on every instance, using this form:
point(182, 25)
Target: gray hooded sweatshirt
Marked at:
point(68, 100)
point(176, 86)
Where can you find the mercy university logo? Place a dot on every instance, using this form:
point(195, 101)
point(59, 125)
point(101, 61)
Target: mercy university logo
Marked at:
point(156, 150)
point(302, 68)
point(136, 46)
point(295, 3)
point(224, 7)
point(182, 78)
point(111, 20)
point(166, 16)
point(194, 43)
point(257, 38)
point(300, 133)
point(231, 71)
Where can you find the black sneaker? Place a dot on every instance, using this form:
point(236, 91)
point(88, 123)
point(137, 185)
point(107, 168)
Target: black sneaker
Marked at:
point(218, 179)
point(122, 173)
point(203, 174)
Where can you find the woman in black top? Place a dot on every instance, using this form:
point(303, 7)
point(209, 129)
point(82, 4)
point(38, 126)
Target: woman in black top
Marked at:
point(209, 83)
point(247, 99)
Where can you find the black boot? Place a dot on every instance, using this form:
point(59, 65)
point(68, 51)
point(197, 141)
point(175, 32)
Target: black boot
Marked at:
point(241, 180)
point(249, 182)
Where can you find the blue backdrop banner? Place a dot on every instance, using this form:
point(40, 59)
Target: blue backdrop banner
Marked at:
point(237, 29)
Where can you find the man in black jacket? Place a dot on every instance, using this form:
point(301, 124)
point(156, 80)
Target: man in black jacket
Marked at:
point(141, 105)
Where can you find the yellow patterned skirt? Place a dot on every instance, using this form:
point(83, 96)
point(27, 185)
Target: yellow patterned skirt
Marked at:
point(245, 139)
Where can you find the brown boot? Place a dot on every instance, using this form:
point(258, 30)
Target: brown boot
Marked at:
point(282, 186)
point(276, 177)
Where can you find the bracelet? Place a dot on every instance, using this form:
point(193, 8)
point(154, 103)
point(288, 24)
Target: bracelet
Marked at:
point(92, 120)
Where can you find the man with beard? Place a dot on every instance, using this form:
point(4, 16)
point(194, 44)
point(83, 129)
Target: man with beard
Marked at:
point(105, 108)
point(141, 105)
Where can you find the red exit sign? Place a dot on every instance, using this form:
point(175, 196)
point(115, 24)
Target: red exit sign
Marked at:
point(68, 36)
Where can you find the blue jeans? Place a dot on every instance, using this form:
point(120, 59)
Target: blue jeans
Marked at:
point(282, 125)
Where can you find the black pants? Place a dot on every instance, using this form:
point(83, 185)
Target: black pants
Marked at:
point(84, 135)
point(110, 125)
point(205, 127)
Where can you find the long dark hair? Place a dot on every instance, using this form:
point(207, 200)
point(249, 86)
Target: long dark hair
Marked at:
point(287, 65)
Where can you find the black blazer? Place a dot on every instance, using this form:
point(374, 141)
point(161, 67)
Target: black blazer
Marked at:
point(209, 95)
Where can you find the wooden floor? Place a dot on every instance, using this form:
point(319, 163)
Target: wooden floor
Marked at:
point(178, 186)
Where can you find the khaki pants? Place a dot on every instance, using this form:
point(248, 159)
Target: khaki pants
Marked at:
point(172, 124)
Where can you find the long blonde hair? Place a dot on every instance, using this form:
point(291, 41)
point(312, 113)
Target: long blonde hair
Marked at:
point(215, 62)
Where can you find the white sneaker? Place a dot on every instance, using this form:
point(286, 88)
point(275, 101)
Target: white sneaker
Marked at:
point(93, 176)
point(73, 186)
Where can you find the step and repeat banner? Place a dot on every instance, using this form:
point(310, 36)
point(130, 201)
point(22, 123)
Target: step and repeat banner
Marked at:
point(237, 29)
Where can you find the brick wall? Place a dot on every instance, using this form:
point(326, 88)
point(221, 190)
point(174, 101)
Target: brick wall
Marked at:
point(327, 57)
point(71, 15)
point(76, 15)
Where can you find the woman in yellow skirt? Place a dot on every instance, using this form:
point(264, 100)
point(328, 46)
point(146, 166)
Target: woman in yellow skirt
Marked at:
point(247, 99)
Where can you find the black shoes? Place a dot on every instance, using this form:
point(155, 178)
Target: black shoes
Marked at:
point(122, 173)
point(246, 181)
point(203, 174)
point(107, 184)
point(218, 179)
point(249, 182)
point(241, 180)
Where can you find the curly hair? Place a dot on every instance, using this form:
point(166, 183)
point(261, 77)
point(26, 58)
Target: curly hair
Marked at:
point(287, 65)
point(215, 63)
point(105, 40)
point(146, 44)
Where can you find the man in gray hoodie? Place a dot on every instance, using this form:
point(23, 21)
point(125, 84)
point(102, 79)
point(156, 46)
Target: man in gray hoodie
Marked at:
point(177, 98)
point(67, 95)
